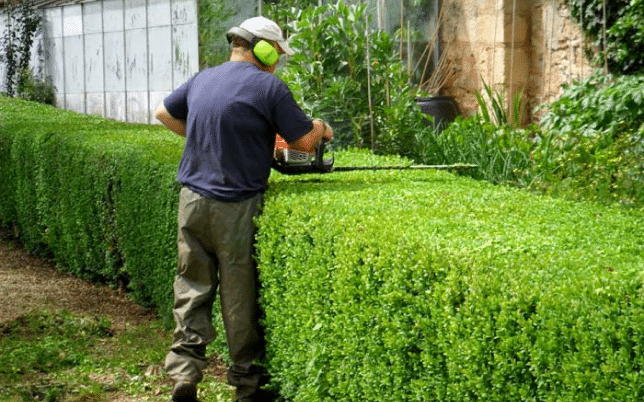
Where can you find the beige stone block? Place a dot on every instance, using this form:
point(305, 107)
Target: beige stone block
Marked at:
point(521, 29)
point(490, 28)
point(518, 67)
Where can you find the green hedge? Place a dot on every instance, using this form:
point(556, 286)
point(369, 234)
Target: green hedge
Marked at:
point(98, 196)
point(388, 285)
point(423, 286)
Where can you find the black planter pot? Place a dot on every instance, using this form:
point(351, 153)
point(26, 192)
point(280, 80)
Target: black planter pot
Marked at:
point(443, 109)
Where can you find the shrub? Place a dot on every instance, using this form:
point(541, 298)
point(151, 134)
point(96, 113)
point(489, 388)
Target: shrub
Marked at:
point(405, 286)
point(98, 195)
point(593, 139)
point(36, 89)
point(623, 49)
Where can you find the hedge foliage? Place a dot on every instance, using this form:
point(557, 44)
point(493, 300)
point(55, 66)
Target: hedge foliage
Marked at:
point(425, 286)
point(387, 285)
point(593, 140)
point(99, 196)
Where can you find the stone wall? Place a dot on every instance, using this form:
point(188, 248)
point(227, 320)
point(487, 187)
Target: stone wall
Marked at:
point(511, 45)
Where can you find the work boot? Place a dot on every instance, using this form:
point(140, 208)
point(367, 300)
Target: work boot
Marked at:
point(184, 392)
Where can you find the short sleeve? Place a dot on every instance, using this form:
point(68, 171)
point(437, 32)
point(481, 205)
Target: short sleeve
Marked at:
point(291, 121)
point(177, 102)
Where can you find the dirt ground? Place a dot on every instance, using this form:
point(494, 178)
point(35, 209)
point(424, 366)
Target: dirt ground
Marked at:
point(29, 282)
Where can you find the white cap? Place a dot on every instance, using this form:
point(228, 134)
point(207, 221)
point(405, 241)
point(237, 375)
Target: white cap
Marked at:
point(266, 29)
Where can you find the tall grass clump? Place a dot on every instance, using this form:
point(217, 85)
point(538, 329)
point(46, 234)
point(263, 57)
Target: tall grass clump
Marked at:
point(491, 139)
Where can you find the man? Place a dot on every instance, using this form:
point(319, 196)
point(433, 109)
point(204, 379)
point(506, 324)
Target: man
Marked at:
point(229, 115)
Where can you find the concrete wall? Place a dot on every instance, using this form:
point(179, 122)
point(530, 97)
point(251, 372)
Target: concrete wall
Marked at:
point(512, 45)
point(119, 58)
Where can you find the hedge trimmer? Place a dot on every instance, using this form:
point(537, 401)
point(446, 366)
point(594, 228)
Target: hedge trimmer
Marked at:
point(288, 161)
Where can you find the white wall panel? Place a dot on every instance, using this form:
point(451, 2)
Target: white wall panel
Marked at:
point(96, 103)
point(94, 63)
point(60, 100)
point(54, 22)
point(55, 65)
point(185, 53)
point(114, 59)
point(74, 62)
point(136, 60)
point(93, 18)
point(138, 110)
point(160, 58)
point(72, 20)
point(158, 13)
point(115, 105)
point(184, 12)
point(135, 14)
point(118, 58)
point(75, 102)
point(113, 15)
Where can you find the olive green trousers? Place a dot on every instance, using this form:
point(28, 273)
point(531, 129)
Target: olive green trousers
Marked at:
point(215, 245)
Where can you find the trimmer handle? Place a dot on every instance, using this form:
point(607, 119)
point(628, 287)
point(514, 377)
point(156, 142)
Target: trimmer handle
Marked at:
point(321, 165)
point(319, 155)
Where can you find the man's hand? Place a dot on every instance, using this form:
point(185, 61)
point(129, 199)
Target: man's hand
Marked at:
point(309, 141)
point(175, 125)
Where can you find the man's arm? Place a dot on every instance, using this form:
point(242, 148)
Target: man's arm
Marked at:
point(175, 125)
point(309, 141)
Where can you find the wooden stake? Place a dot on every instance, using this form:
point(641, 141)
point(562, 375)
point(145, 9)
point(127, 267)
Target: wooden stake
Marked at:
point(373, 139)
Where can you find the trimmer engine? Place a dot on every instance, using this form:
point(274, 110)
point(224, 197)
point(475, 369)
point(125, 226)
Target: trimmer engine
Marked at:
point(288, 161)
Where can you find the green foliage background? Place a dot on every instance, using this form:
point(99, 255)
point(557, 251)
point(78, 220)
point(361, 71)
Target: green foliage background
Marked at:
point(623, 50)
point(593, 140)
point(341, 63)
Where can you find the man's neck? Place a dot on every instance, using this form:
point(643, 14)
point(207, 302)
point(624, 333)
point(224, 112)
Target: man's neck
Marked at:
point(247, 56)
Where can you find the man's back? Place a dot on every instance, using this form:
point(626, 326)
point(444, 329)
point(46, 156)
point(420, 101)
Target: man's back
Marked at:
point(232, 114)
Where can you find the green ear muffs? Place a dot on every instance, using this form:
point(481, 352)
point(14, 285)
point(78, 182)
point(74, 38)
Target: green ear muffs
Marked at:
point(265, 52)
point(262, 49)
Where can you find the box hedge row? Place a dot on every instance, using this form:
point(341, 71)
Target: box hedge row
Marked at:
point(98, 196)
point(389, 285)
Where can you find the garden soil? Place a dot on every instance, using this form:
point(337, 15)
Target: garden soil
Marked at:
point(28, 282)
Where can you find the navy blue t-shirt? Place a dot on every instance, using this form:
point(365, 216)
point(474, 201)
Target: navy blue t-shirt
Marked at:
point(232, 114)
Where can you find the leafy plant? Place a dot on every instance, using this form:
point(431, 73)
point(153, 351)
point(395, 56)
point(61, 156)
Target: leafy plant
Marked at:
point(213, 49)
point(491, 139)
point(22, 24)
point(615, 30)
point(33, 89)
point(593, 139)
point(497, 113)
point(350, 74)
